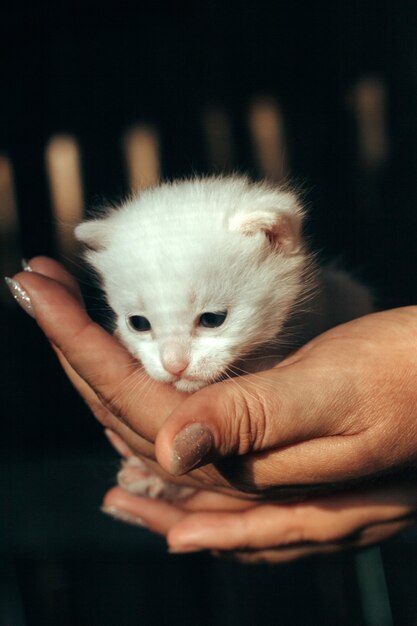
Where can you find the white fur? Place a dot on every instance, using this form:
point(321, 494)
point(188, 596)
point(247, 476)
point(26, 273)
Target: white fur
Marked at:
point(204, 245)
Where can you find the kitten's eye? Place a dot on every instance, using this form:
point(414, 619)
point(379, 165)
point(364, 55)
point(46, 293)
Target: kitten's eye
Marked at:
point(212, 320)
point(139, 323)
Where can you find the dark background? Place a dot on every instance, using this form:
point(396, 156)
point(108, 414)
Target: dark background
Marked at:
point(93, 70)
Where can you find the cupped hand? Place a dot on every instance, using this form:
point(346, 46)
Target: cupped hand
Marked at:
point(271, 532)
point(341, 409)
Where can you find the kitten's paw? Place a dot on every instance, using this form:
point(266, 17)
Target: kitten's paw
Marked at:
point(136, 478)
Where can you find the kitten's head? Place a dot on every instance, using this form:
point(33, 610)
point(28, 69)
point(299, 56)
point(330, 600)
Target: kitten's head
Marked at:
point(199, 273)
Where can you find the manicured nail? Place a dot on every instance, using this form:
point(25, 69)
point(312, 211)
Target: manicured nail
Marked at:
point(190, 447)
point(185, 549)
point(20, 295)
point(123, 516)
point(25, 266)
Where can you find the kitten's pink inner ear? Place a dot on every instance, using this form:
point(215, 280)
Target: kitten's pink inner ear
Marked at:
point(282, 231)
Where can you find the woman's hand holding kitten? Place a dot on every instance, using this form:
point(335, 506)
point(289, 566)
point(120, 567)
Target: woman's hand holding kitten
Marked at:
point(342, 409)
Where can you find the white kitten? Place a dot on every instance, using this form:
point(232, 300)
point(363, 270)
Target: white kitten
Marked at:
point(210, 277)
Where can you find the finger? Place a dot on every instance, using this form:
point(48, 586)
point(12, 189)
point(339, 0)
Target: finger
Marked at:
point(323, 521)
point(138, 444)
point(372, 535)
point(157, 515)
point(54, 270)
point(97, 407)
point(98, 358)
point(377, 533)
point(204, 500)
point(118, 444)
point(214, 501)
point(265, 556)
point(276, 555)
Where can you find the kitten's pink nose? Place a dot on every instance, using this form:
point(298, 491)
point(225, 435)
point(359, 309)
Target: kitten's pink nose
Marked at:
point(174, 360)
point(176, 368)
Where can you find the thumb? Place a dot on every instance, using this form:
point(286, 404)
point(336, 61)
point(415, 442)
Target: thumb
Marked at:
point(239, 416)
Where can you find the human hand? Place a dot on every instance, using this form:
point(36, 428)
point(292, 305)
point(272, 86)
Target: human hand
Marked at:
point(367, 415)
point(273, 532)
point(340, 409)
point(337, 412)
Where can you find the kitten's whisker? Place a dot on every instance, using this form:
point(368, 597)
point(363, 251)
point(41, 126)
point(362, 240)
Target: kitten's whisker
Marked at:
point(234, 380)
point(133, 369)
point(131, 397)
point(132, 378)
point(128, 393)
point(267, 385)
point(148, 388)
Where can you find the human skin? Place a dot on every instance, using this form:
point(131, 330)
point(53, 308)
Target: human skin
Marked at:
point(340, 413)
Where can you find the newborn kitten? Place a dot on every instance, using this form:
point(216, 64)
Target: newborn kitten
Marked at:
point(210, 278)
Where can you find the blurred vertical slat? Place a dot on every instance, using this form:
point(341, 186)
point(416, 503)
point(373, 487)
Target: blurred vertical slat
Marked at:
point(369, 105)
point(218, 139)
point(368, 102)
point(141, 150)
point(267, 131)
point(10, 251)
point(373, 588)
point(64, 174)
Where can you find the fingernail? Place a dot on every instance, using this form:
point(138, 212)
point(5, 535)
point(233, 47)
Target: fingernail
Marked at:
point(185, 549)
point(20, 295)
point(123, 516)
point(25, 266)
point(190, 447)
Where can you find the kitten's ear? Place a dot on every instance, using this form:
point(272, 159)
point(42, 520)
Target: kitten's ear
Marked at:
point(281, 225)
point(94, 233)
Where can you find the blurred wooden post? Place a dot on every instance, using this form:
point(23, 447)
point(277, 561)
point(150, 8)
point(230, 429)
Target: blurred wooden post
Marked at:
point(10, 250)
point(267, 131)
point(64, 173)
point(218, 137)
point(369, 105)
point(367, 101)
point(141, 150)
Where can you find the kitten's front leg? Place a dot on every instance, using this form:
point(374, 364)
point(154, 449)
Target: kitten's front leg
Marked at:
point(135, 477)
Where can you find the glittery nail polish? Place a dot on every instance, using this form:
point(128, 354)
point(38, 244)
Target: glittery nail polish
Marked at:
point(190, 447)
point(25, 266)
point(20, 295)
